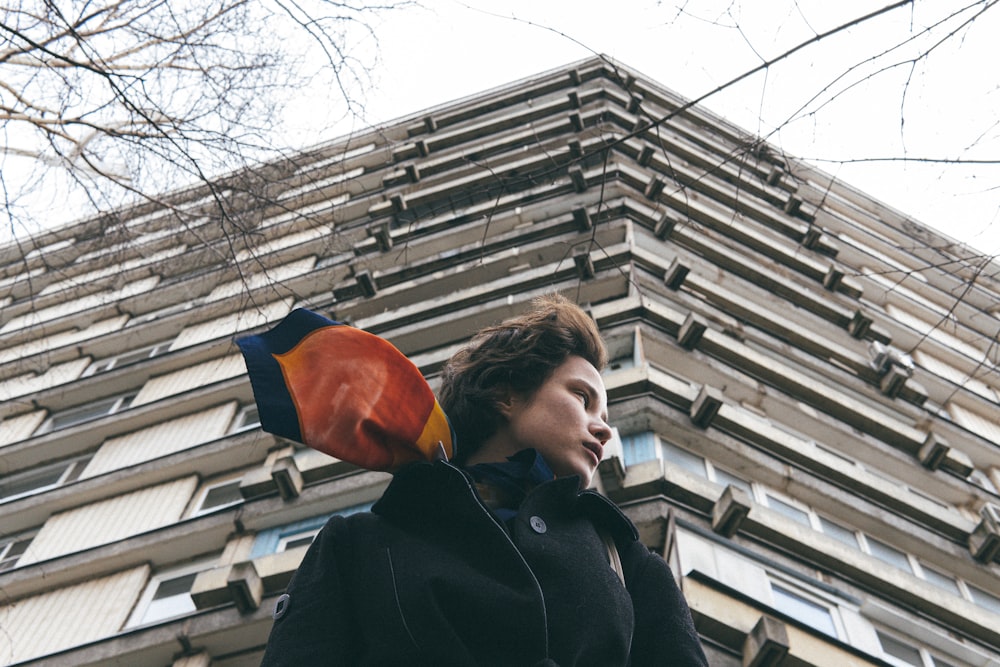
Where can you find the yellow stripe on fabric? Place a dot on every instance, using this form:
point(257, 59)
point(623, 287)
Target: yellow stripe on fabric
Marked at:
point(436, 430)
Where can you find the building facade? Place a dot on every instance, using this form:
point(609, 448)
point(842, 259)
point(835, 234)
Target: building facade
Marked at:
point(803, 381)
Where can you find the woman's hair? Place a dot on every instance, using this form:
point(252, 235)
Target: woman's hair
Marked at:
point(516, 356)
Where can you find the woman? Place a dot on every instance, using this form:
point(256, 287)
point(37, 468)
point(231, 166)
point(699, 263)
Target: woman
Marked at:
point(496, 557)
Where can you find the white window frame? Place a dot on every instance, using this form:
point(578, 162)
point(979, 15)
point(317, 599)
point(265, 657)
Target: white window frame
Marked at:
point(867, 548)
point(146, 600)
point(8, 545)
point(199, 508)
point(810, 597)
point(247, 418)
point(927, 657)
point(284, 542)
point(71, 469)
point(936, 576)
point(768, 496)
point(141, 354)
point(88, 411)
point(853, 531)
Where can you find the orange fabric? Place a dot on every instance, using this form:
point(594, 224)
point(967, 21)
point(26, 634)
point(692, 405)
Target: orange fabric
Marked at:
point(359, 399)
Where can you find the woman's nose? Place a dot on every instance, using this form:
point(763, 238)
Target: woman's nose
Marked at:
point(600, 430)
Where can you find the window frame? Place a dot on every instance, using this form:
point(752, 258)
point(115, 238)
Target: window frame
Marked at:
point(114, 404)
point(124, 359)
point(240, 422)
point(284, 541)
point(70, 471)
point(8, 544)
point(198, 506)
point(806, 596)
point(142, 606)
point(927, 657)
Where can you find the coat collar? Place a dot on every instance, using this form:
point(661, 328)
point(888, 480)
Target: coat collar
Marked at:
point(430, 493)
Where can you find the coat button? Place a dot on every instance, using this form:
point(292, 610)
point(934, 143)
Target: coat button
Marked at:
point(538, 524)
point(281, 606)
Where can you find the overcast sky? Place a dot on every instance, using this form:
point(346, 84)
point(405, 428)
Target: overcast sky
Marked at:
point(946, 105)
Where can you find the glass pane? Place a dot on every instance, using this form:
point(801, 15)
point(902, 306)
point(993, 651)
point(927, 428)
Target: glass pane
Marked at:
point(639, 447)
point(940, 579)
point(683, 458)
point(34, 481)
point(984, 599)
point(76, 469)
point(176, 586)
point(223, 494)
point(18, 548)
point(806, 611)
point(293, 541)
point(11, 552)
point(791, 512)
point(838, 532)
point(897, 649)
point(888, 554)
point(168, 608)
point(83, 413)
point(250, 418)
point(726, 478)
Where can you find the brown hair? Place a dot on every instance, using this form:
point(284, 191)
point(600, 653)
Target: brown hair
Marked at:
point(517, 356)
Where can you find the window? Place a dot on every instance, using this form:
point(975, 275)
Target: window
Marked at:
point(218, 495)
point(984, 599)
point(298, 534)
point(85, 413)
point(888, 554)
point(838, 532)
point(639, 447)
point(163, 312)
point(908, 655)
point(168, 595)
point(788, 509)
point(105, 365)
point(300, 539)
point(728, 479)
point(904, 653)
point(940, 579)
point(42, 479)
point(684, 459)
point(246, 419)
point(12, 548)
point(804, 609)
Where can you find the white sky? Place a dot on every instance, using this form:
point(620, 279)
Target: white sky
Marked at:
point(950, 101)
point(443, 50)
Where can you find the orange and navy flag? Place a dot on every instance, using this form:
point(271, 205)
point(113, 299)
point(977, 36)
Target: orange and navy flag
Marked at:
point(344, 392)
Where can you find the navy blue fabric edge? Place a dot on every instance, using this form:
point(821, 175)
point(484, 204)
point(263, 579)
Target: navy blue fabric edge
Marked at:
point(274, 403)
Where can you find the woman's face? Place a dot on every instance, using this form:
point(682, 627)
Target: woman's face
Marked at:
point(565, 420)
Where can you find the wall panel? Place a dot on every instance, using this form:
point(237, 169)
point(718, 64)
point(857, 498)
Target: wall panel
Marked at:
point(55, 341)
point(262, 278)
point(15, 429)
point(31, 383)
point(70, 616)
point(190, 378)
point(111, 520)
point(987, 428)
point(71, 305)
point(230, 324)
point(162, 439)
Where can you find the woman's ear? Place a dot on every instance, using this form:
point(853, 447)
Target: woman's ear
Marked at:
point(506, 404)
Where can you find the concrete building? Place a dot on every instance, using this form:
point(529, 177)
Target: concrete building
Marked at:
point(804, 381)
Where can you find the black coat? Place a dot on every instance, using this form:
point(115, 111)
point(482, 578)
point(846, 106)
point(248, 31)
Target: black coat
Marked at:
point(431, 577)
